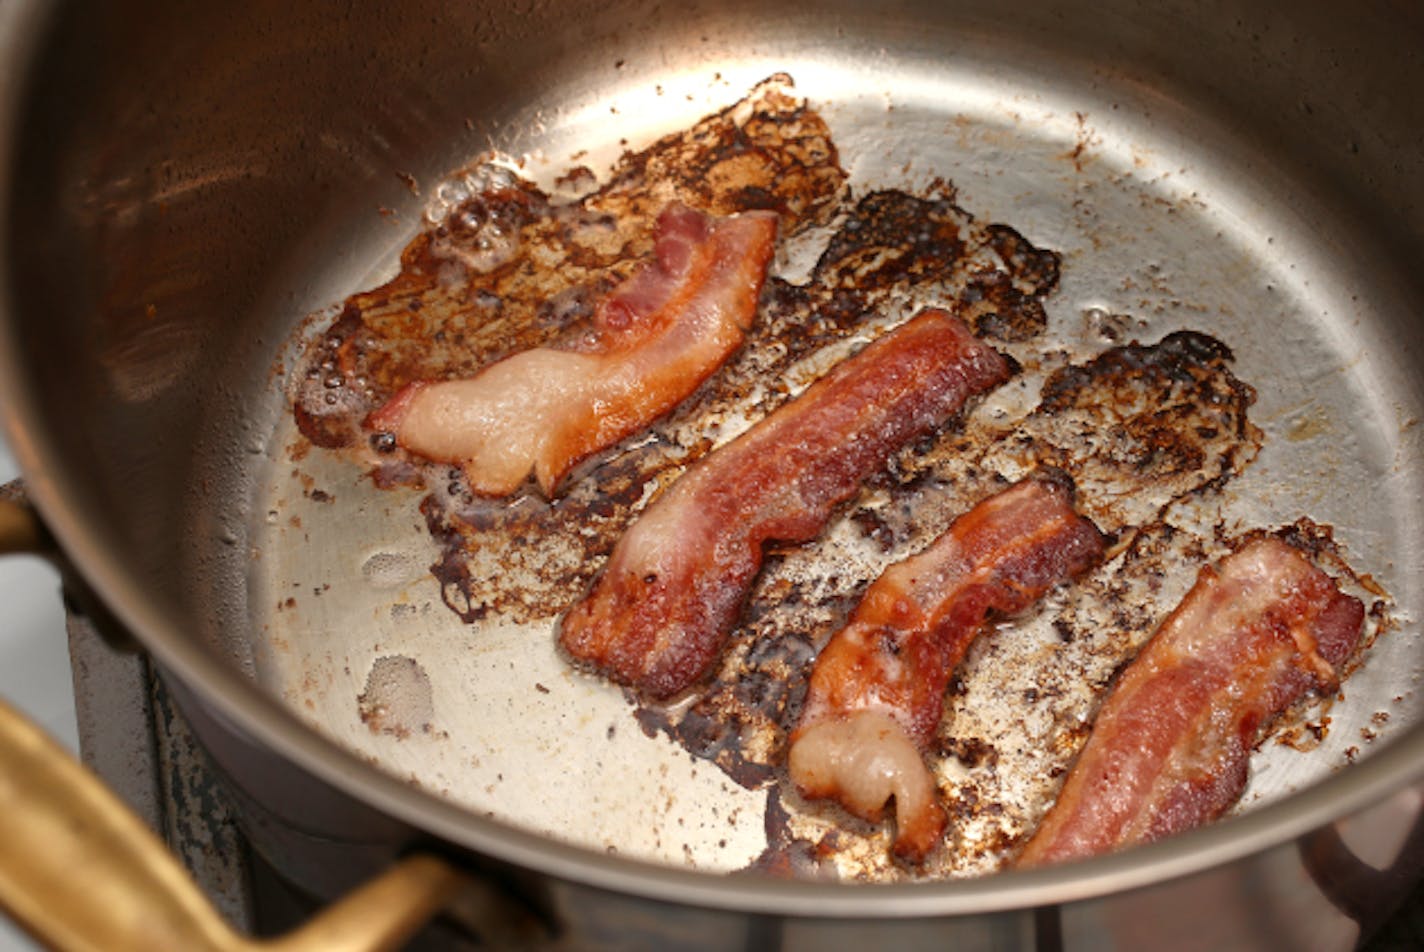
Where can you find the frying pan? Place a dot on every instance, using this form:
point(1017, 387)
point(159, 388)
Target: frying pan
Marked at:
point(184, 189)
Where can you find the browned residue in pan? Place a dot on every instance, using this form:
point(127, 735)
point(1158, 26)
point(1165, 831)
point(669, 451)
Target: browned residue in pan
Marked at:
point(1146, 431)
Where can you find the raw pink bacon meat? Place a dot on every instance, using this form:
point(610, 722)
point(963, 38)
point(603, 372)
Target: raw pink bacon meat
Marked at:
point(652, 340)
point(877, 688)
point(1169, 748)
point(658, 615)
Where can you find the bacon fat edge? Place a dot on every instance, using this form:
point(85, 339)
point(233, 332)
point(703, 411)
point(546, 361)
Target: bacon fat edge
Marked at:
point(1170, 746)
point(877, 689)
point(651, 342)
point(659, 613)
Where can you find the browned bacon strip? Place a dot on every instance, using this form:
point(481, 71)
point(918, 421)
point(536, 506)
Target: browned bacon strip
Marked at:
point(1170, 746)
point(877, 688)
point(651, 342)
point(658, 615)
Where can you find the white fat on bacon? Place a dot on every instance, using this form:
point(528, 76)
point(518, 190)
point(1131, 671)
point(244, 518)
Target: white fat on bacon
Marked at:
point(863, 759)
point(651, 342)
point(496, 424)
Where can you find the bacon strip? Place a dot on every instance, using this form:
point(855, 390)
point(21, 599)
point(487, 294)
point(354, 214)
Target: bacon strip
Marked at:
point(877, 689)
point(652, 340)
point(1170, 747)
point(657, 617)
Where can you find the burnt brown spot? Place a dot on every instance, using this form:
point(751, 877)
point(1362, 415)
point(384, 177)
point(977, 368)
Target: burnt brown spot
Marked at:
point(970, 751)
point(894, 241)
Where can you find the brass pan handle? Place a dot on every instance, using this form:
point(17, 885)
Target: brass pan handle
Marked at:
point(79, 871)
point(19, 529)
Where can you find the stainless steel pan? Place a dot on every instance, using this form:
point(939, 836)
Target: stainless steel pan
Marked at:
point(185, 189)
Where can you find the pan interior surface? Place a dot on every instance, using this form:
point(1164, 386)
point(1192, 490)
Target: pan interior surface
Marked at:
point(1167, 216)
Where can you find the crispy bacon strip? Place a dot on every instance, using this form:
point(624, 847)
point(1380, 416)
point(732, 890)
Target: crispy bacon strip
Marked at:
point(658, 615)
point(652, 340)
point(877, 688)
point(1169, 748)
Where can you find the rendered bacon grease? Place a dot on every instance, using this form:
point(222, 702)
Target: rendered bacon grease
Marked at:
point(1170, 747)
point(650, 343)
point(657, 617)
point(504, 271)
point(877, 689)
